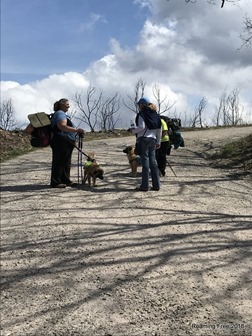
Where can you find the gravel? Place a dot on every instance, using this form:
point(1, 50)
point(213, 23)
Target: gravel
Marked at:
point(109, 261)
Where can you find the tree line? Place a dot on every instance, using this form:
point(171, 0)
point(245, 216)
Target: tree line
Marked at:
point(98, 112)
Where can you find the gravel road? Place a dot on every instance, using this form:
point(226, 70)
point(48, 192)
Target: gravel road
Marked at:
point(109, 261)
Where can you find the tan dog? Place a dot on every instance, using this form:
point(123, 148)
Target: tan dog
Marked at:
point(92, 171)
point(134, 160)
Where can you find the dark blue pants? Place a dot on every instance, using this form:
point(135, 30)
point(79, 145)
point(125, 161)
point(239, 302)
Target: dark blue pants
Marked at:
point(148, 158)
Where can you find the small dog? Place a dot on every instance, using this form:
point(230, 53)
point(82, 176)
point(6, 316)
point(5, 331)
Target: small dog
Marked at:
point(92, 171)
point(134, 160)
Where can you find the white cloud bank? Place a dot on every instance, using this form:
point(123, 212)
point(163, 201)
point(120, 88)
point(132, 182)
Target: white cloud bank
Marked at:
point(190, 50)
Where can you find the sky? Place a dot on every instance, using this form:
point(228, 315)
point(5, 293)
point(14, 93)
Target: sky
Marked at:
point(54, 48)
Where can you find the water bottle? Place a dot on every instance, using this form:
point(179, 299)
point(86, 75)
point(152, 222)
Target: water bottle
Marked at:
point(132, 124)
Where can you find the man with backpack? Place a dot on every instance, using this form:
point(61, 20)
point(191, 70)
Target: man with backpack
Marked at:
point(62, 144)
point(148, 131)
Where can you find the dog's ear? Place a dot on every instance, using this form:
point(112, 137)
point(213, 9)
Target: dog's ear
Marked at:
point(91, 155)
point(127, 150)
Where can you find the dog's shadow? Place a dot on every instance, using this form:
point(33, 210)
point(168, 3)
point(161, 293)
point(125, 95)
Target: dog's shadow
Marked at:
point(125, 175)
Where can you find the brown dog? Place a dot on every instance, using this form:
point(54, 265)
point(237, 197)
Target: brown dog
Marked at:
point(92, 171)
point(134, 160)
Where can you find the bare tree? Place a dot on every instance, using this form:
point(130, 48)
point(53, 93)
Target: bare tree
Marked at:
point(107, 117)
point(163, 105)
point(246, 37)
point(131, 104)
point(221, 109)
point(185, 117)
point(89, 112)
point(197, 117)
point(228, 112)
point(7, 115)
point(235, 115)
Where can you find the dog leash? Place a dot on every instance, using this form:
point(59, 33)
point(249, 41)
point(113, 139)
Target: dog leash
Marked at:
point(79, 147)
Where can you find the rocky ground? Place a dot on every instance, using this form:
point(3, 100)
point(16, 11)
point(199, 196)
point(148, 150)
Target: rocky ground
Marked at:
point(111, 261)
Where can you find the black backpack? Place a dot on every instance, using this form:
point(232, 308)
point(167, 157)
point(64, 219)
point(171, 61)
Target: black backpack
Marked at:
point(42, 133)
point(174, 126)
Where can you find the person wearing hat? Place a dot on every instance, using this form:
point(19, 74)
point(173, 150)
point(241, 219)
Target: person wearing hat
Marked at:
point(148, 131)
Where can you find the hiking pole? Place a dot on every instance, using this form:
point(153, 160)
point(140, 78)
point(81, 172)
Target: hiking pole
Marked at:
point(79, 157)
point(81, 163)
point(171, 168)
point(78, 164)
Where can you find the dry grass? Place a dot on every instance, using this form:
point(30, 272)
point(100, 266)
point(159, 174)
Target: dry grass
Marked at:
point(14, 143)
point(236, 155)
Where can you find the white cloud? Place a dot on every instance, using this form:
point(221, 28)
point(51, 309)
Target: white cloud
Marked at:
point(40, 95)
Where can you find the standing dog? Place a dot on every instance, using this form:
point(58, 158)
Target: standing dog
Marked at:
point(92, 171)
point(134, 160)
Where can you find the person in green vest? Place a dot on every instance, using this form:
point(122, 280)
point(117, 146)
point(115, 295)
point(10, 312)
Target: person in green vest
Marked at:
point(164, 149)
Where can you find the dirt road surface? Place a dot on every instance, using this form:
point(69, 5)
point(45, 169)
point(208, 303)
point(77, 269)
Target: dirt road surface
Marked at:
point(110, 261)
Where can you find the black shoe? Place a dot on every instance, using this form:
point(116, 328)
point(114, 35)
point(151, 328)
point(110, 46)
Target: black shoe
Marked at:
point(155, 189)
point(61, 185)
point(162, 172)
point(72, 184)
point(140, 189)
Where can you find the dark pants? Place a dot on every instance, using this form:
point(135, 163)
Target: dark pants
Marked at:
point(61, 161)
point(161, 155)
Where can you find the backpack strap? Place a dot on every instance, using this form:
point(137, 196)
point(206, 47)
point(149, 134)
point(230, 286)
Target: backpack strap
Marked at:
point(57, 131)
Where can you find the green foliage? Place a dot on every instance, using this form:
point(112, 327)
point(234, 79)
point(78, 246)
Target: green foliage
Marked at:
point(12, 153)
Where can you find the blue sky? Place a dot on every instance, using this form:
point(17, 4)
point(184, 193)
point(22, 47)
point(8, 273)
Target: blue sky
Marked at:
point(53, 48)
point(40, 37)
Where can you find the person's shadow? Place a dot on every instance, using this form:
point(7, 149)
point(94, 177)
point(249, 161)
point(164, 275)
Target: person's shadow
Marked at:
point(24, 188)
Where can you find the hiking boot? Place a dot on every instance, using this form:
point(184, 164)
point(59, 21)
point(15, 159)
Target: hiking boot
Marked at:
point(155, 189)
point(61, 185)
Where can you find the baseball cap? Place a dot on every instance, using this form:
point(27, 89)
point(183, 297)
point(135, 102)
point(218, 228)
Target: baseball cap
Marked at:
point(144, 100)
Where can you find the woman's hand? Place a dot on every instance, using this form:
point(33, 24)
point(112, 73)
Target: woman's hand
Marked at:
point(80, 131)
